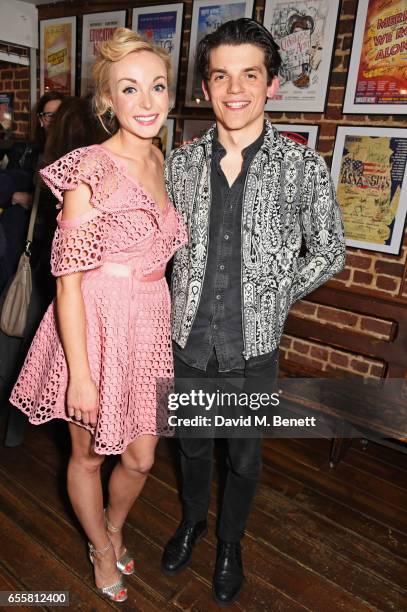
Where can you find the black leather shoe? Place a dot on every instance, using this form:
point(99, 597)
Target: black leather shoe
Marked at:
point(228, 576)
point(178, 551)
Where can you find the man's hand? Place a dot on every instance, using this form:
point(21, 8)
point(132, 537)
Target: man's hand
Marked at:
point(82, 400)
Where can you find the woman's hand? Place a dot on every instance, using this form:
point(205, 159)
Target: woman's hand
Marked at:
point(82, 400)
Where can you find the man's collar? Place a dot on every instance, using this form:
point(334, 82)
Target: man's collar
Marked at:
point(271, 136)
point(253, 146)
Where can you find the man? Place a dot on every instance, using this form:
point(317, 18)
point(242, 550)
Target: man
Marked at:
point(250, 197)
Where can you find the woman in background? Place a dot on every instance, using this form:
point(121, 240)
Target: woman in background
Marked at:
point(73, 126)
point(105, 344)
point(17, 183)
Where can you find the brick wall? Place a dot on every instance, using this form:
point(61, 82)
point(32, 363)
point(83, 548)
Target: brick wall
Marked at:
point(366, 272)
point(15, 78)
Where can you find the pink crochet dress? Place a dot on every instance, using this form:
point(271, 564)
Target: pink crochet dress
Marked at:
point(122, 245)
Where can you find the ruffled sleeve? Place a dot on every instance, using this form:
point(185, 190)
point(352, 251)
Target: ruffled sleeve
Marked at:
point(85, 165)
point(79, 244)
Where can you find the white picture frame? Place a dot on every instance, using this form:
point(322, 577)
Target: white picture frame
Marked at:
point(372, 193)
point(207, 16)
point(302, 129)
point(96, 27)
point(145, 21)
point(305, 32)
point(362, 95)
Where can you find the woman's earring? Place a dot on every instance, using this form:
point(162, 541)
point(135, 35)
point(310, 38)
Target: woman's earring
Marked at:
point(110, 113)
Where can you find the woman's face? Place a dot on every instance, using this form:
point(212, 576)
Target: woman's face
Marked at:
point(139, 93)
point(48, 113)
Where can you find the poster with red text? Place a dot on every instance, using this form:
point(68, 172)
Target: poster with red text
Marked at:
point(96, 28)
point(57, 60)
point(377, 81)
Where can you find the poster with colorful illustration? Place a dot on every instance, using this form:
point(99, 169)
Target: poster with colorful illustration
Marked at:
point(163, 26)
point(96, 28)
point(57, 55)
point(305, 32)
point(207, 16)
point(303, 134)
point(377, 77)
point(369, 168)
point(6, 111)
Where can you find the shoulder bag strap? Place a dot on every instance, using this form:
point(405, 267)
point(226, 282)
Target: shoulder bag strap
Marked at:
point(33, 216)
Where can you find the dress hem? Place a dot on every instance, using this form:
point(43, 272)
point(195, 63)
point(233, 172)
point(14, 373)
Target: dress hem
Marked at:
point(91, 430)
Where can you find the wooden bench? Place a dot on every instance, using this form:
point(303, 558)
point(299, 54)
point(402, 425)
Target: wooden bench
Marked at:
point(392, 352)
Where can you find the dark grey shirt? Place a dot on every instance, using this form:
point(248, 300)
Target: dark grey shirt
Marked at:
point(218, 323)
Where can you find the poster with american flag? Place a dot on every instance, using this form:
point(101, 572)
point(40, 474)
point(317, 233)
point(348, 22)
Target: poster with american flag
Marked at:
point(369, 169)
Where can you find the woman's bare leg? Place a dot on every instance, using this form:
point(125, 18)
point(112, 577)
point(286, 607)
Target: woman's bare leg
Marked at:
point(85, 493)
point(126, 483)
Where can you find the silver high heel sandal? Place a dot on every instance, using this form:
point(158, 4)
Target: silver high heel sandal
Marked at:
point(116, 592)
point(125, 563)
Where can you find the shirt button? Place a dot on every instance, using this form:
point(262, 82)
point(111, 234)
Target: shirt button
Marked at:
point(215, 326)
point(226, 236)
point(221, 267)
point(218, 297)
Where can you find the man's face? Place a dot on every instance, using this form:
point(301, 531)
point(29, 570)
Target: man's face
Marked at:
point(237, 85)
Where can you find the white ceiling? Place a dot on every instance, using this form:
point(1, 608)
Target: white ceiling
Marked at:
point(38, 2)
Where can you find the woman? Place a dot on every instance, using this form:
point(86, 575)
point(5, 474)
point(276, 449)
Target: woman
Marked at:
point(18, 180)
point(74, 126)
point(115, 235)
point(27, 161)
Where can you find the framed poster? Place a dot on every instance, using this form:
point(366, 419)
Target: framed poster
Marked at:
point(369, 168)
point(6, 111)
point(305, 32)
point(303, 134)
point(57, 55)
point(163, 26)
point(195, 128)
point(207, 16)
point(165, 137)
point(377, 75)
point(96, 28)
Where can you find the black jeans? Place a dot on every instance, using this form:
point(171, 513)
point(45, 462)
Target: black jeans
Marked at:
point(243, 461)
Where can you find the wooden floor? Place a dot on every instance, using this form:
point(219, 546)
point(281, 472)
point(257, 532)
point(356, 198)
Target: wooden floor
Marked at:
point(318, 539)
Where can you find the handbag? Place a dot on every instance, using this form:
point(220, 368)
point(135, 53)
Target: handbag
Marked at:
point(17, 298)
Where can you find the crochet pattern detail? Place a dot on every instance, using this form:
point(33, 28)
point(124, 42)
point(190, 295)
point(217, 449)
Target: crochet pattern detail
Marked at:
point(121, 240)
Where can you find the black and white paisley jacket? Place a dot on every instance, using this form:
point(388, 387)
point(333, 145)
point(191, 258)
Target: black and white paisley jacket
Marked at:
point(288, 196)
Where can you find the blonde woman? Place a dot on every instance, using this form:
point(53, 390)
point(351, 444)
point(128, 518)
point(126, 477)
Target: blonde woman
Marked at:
point(104, 343)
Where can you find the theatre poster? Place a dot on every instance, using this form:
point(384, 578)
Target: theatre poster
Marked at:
point(303, 134)
point(57, 55)
point(162, 25)
point(377, 77)
point(369, 168)
point(96, 28)
point(207, 16)
point(305, 32)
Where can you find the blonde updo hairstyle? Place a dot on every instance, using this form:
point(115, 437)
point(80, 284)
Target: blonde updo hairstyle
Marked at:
point(123, 42)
